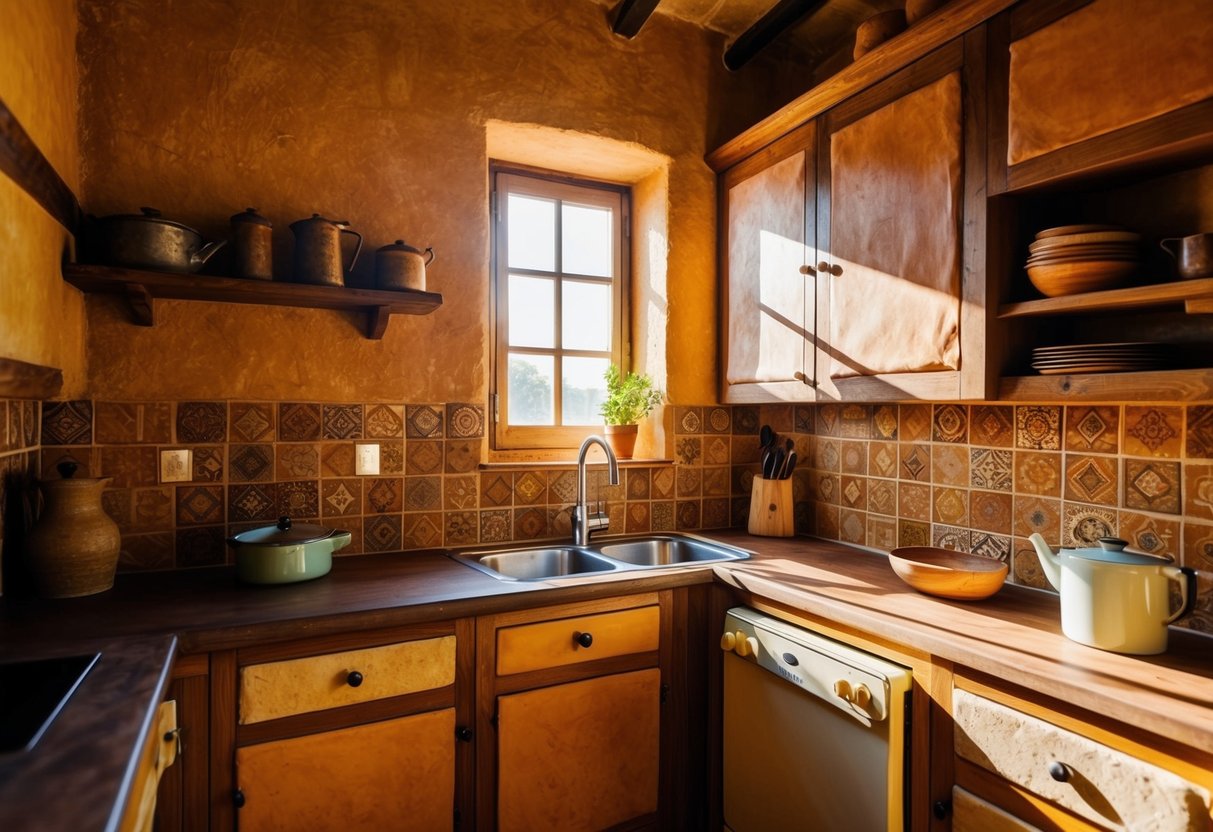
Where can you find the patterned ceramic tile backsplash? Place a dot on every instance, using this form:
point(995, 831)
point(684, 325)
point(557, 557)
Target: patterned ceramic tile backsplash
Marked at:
point(20, 435)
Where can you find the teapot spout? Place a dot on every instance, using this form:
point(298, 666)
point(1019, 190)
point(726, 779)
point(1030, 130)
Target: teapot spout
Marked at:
point(1050, 564)
point(205, 253)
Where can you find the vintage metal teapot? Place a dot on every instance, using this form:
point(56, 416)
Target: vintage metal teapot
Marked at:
point(318, 250)
point(401, 266)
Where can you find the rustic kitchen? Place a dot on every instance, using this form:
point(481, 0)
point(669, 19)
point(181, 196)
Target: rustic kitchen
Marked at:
point(324, 512)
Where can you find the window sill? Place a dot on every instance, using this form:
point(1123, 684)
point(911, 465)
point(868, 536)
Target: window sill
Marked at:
point(597, 459)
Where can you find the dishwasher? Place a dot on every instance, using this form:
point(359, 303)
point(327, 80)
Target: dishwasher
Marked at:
point(816, 732)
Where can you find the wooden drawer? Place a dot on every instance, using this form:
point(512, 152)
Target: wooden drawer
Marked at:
point(547, 644)
point(972, 814)
point(315, 683)
point(159, 752)
point(1102, 785)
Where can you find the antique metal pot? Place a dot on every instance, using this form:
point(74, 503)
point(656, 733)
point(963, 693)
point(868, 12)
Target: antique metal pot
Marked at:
point(252, 236)
point(148, 241)
point(286, 552)
point(401, 266)
point(318, 250)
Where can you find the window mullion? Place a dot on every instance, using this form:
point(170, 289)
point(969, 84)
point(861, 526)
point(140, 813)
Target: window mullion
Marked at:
point(558, 318)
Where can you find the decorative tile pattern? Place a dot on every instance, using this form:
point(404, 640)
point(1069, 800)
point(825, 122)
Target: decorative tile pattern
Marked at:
point(883, 459)
point(715, 513)
point(116, 502)
point(689, 481)
point(562, 485)
point(199, 505)
point(1198, 546)
point(636, 518)
point(341, 421)
point(200, 547)
point(950, 465)
point(882, 497)
point(882, 533)
point(993, 546)
point(914, 502)
point(745, 449)
point(853, 457)
point(1037, 515)
point(146, 552)
point(130, 465)
point(1152, 485)
point(990, 511)
point(828, 419)
point(391, 457)
point(950, 423)
point(745, 422)
point(153, 509)
point(855, 421)
point(663, 484)
point(251, 421)
point(1038, 427)
point(716, 481)
point(423, 421)
point(852, 526)
point(992, 425)
point(1200, 432)
point(717, 420)
point(422, 493)
point(1198, 492)
point(384, 495)
point(422, 531)
point(716, 450)
point(201, 422)
point(496, 526)
point(884, 422)
point(688, 450)
point(300, 461)
point(826, 454)
point(67, 423)
point(460, 528)
point(30, 422)
point(496, 489)
point(688, 420)
point(990, 469)
point(208, 463)
point(298, 422)
point(913, 533)
point(299, 499)
point(384, 421)
point(254, 501)
point(1093, 428)
point(1151, 534)
point(337, 459)
point(950, 537)
point(464, 421)
point(1083, 525)
point(915, 463)
point(1025, 566)
point(914, 422)
point(1091, 479)
point(853, 492)
point(950, 506)
point(1037, 473)
point(383, 533)
point(803, 419)
point(530, 488)
point(462, 455)
point(1153, 431)
point(122, 423)
point(423, 457)
point(686, 515)
point(461, 493)
point(825, 488)
point(780, 417)
point(530, 523)
point(340, 498)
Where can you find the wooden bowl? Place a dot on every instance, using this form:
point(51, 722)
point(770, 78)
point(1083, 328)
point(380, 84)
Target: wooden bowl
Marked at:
point(1075, 277)
point(877, 29)
point(948, 574)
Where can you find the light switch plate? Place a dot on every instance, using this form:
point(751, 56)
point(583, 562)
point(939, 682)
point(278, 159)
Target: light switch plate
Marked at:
point(176, 466)
point(366, 459)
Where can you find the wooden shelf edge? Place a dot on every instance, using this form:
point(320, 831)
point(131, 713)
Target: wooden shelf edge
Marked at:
point(1130, 298)
point(22, 380)
point(1153, 386)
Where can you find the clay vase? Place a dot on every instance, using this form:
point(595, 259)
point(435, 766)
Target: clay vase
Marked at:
point(622, 439)
point(73, 548)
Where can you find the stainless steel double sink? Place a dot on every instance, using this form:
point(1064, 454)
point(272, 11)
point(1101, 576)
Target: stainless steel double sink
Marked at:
point(540, 563)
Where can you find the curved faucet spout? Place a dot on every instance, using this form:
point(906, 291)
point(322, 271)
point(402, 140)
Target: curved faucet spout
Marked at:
point(584, 523)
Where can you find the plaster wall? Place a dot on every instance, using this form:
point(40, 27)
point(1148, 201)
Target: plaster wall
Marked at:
point(41, 317)
point(375, 111)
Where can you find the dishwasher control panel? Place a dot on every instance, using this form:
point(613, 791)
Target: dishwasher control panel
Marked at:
point(854, 681)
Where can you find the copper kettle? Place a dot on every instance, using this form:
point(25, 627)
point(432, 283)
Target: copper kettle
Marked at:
point(318, 250)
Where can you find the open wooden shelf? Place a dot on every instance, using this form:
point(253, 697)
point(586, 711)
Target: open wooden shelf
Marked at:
point(141, 289)
point(1152, 386)
point(1190, 293)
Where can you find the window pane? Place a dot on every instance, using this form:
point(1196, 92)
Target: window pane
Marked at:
point(583, 390)
point(586, 316)
point(530, 393)
point(532, 311)
point(586, 244)
point(532, 224)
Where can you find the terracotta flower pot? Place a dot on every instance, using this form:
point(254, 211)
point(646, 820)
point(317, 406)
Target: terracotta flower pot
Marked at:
point(622, 439)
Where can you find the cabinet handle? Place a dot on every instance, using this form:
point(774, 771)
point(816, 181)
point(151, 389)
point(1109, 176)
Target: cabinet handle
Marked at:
point(463, 733)
point(801, 377)
point(354, 679)
point(806, 269)
point(584, 639)
point(174, 736)
point(238, 799)
point(941, 809)
point(834, 269)
point(1059, 771)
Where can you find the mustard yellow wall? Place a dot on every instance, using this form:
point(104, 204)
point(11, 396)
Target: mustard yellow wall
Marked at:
point(375, 111)
point(41, 317)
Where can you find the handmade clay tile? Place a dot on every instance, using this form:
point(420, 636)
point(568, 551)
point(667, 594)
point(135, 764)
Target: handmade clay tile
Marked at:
point(992, 425)
point(462, 455)
point(914, 501)
point(689, 450)
point(391, 457)
point(716, 513)
point(496, 489)
point(717, 420)
point(991, 511)
point(422, 493)
point(882, 497)
point(382, 533)
point(915, 463)
point(852, 526)
point(1152, 485)
point(690, 481)
point(251, 421)
point(636, 518)
point(662, 513)
point(884, 422)
point(464, 421)
point(201, 422)
point(804, 420)
point(1083, 525)
point(779, 417)
point(298, 422)
point(251, 463)
point(530, 488)
point(423, 421)
point(123, 423)
point(199, 505)
point(1151, 534)
point(1091, 479)
point(299, 499)
point(153, 509)
point(993, 546)
point(741, 478)
point(949, 465)
point(67, 423)
point(1093, 428)
point(1038, 427)
point(1200, 432)
point(744, 449)
point(827, 456)
point(146, 552)
point(116, 502)
point(530, 523)
point(716, 481)
point(1198, 546)
point(950, 423)
point(882, 459)
point(253, 501)
point(745, 421)
point(853, 457)
point(950, 537)
point(716, 450)
point(913, 422)
point(562, 486)
point(950, 506)
point(384, 495)
point(1153, 431)
point(688, 420)
point(86, 459)
point(130, 465)
point(341, 421)
point(1025, 566)
point(825, 488)
point(828, 419)
point(422, 531)
point(460, 528)
point(384, 421)
point(461, 492)
point(31, 423)
point(341, 498)
point(1037, 473)
point(1198, 491)
point(853, 492)
point(297, 461)
point(990, 468)
point(638, 483)
point(208, 463)
point(1036, 515)
point(686, 516)
point(421, 456)
point(200, 547)
point(882, 533)
point(913, 533)
point(855, 421)
point(496, 526)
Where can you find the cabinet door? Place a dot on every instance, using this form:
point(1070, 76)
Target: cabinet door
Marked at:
point(893, 287)
point(767, 298)
point(384, 775)
point(579, 756)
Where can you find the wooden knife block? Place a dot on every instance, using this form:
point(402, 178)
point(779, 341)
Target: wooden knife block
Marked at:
point(771, 509)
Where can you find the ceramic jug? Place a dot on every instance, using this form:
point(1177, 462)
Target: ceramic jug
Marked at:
point(73, 548)
point(318, 250)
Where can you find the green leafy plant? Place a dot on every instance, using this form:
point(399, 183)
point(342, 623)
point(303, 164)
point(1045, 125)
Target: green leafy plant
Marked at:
point(629, 398)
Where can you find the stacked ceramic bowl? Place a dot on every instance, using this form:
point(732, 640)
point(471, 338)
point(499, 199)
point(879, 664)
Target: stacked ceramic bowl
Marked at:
point(1071, 259)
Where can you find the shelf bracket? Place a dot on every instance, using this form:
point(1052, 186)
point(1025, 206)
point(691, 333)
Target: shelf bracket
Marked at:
point(139, 299)
point(1199, 306)
point(377, 319)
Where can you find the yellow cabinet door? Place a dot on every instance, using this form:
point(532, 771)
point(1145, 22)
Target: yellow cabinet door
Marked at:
point(398, 774)
point(579, 756)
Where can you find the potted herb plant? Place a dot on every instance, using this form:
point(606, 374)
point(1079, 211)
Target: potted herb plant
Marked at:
point(629, 399)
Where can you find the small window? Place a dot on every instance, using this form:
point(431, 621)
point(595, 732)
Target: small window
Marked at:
point(559, 269)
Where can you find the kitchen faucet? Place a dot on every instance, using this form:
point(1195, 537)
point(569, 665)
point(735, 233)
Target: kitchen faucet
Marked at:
point(584, 523)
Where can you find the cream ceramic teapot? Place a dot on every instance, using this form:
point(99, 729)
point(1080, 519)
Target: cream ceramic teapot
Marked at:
point(1114, 599)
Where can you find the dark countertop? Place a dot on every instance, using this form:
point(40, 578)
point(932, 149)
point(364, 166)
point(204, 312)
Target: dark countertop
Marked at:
point(1014, 635)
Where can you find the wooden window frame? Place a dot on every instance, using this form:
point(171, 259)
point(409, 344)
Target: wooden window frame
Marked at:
point(548, 184)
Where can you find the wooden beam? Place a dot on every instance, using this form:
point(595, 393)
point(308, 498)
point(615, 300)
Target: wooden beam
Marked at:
point(781, 17)
point(631, 15)
point(22, 380)
point(25, 164)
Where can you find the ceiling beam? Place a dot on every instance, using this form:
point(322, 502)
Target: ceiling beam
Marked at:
point(782, 16)
point(630, 15)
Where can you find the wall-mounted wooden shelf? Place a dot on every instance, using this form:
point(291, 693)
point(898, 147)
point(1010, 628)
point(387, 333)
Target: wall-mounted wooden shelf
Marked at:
point(1189, 293)
point(1152, 386)
point(141, 289)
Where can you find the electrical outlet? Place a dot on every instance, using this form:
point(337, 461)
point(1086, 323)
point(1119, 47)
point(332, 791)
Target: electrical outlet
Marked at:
point(176, 466)
point(367, 459)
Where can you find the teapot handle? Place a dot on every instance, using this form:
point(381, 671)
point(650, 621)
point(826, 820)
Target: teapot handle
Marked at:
point(357, 249)
point(1163, 245)
point(1187, 590)
point(429, 250)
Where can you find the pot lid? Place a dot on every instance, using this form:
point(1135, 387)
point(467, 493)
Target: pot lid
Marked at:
point(1112, 550)
point(148, 215)
point(401, 245)
point(286, 533)
point(317, 218)
point(251, 215)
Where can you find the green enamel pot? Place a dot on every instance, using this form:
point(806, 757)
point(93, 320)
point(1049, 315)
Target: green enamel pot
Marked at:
point(286, 553)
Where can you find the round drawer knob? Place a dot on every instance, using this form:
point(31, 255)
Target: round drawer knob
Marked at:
point(728, 641)
point(1059, 771)
point(354, 679)
point(584, 639)
point(807, 269)
point(463, 733)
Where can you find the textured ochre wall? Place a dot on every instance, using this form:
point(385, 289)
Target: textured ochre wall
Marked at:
point(375, 111)
point(41, 317)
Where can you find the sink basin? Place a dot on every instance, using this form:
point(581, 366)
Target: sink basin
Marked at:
point(668, 551)
point(651, 551)
point(537, 564)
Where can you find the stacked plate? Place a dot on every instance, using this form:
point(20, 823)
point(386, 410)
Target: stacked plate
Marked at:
point(1070, 259)
point(1134, 356)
